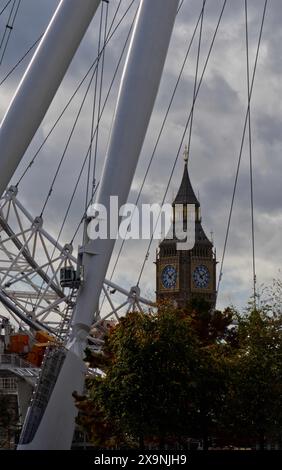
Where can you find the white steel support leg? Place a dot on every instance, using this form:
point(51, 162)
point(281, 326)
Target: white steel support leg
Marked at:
point(139, 86)
point(41, 81)
point(140, 82)
point(57, 425)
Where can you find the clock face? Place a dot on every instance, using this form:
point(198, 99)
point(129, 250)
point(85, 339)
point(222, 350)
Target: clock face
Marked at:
point(169, 277)
point(201, 277)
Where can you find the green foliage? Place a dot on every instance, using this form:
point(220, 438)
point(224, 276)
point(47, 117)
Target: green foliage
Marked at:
point(192, 373)
point(160, 376)
point(255, 395)
point(211, 326)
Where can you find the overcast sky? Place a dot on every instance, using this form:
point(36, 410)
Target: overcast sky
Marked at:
point(216, 138)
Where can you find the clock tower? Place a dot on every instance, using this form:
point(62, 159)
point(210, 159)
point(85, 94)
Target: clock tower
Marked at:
point(186, 274)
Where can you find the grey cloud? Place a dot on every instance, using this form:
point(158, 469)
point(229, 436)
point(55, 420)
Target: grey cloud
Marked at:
point(217, 132)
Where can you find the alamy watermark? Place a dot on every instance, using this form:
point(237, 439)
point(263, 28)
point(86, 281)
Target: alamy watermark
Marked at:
point(130, 222)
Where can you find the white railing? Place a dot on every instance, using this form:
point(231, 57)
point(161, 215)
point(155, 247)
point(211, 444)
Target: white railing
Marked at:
point(8, 385)
point(13, 360)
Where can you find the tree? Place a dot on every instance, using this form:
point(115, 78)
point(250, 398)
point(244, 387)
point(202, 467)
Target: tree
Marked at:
point(189, 373)
point(162, 380)
point(211, 326)
point(254, 411)
point(145, 386)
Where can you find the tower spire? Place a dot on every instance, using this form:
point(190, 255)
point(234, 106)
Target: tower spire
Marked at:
point(183, 275)
point(186, 193)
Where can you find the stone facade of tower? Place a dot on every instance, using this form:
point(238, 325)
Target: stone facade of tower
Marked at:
point(184, 274)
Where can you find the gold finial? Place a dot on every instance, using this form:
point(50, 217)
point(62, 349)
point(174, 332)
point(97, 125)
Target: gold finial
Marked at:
point(186, 154)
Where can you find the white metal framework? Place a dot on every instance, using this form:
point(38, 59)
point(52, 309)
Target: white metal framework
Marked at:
point(30, 263)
